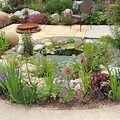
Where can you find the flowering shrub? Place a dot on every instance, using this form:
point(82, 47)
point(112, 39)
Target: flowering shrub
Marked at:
point(36, 18)
point(4, 21)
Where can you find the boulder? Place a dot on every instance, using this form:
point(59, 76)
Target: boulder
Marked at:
point(34, 13)
point(3, 63)
point(38, 47)
point(12, 37)
point(4, 18)
point(19, 13)
point(20, 49)
point(31, 68)
point(55, 17)
point(48, 43)
point(77, 87)
point(67, 12)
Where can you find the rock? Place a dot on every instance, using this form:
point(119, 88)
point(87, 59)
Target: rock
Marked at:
point(34, 13)
point(77, 87)
point(72, 83)
point(78, 80)
point(30, 11)
point(38, 47)
point(19, 13)
point(55, 17)
point(24, 10)
point(47, 43)
point(3, 63)
point(31, 68)
point(41, 82)
point(67, 12)
point(20, 49)
point(89, 41)
point(102, 67)
point(4, 18)
point(12, 37)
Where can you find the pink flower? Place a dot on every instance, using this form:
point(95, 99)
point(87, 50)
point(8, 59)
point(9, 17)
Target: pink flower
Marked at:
point(84, 58)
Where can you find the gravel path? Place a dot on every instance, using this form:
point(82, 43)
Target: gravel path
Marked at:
point(18, 112)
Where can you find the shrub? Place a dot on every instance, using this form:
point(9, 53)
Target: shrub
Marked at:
point(38, 7)
point(38, 18)
point(114, 13)
point(6, 8)
point(92, 18)
point(53, 6)
point(66, 20)
point(4, 21)
point(14, 19)
point(27, 43)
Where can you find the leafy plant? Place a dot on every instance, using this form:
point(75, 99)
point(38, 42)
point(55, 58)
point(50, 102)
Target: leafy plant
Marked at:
point(45, 67)
point(53, 6)
point(116, 34)
point(15, 87)
point(66, 20)
point(27, 43)
point(49, 77)
point(6, 8)
point(114, 83)
point(114, 14)
point(92, 18)
point(85, 76)
point(14, 19)
point(3, 42)
point(96, 82)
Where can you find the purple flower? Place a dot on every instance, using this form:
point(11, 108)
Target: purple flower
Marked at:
point(2, 77)
point(64, 93)
point(74, 83)
point(60, 79)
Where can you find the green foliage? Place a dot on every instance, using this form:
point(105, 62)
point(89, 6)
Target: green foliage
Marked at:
point(116, 34)
point(38, 7)
point(70, 40)
point(114, 84)
point(58, 6)
point(107, 39)
point(15, 87)
point(6, 8)
point(66, 20)
point(20, 7)
point(27, 43)
point(85, 79)
point(14, 19)
point(114, 13)
point(92, 18)
point(43, 94)
point(66, 95)
point(3, 42)
point(55, 92)
point(50, 70)
point(45, 67)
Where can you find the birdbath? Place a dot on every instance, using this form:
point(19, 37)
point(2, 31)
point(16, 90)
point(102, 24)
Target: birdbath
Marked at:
point(31, 27)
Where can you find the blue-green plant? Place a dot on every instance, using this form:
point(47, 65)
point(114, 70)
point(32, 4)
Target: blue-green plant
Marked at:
point(114, 84)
